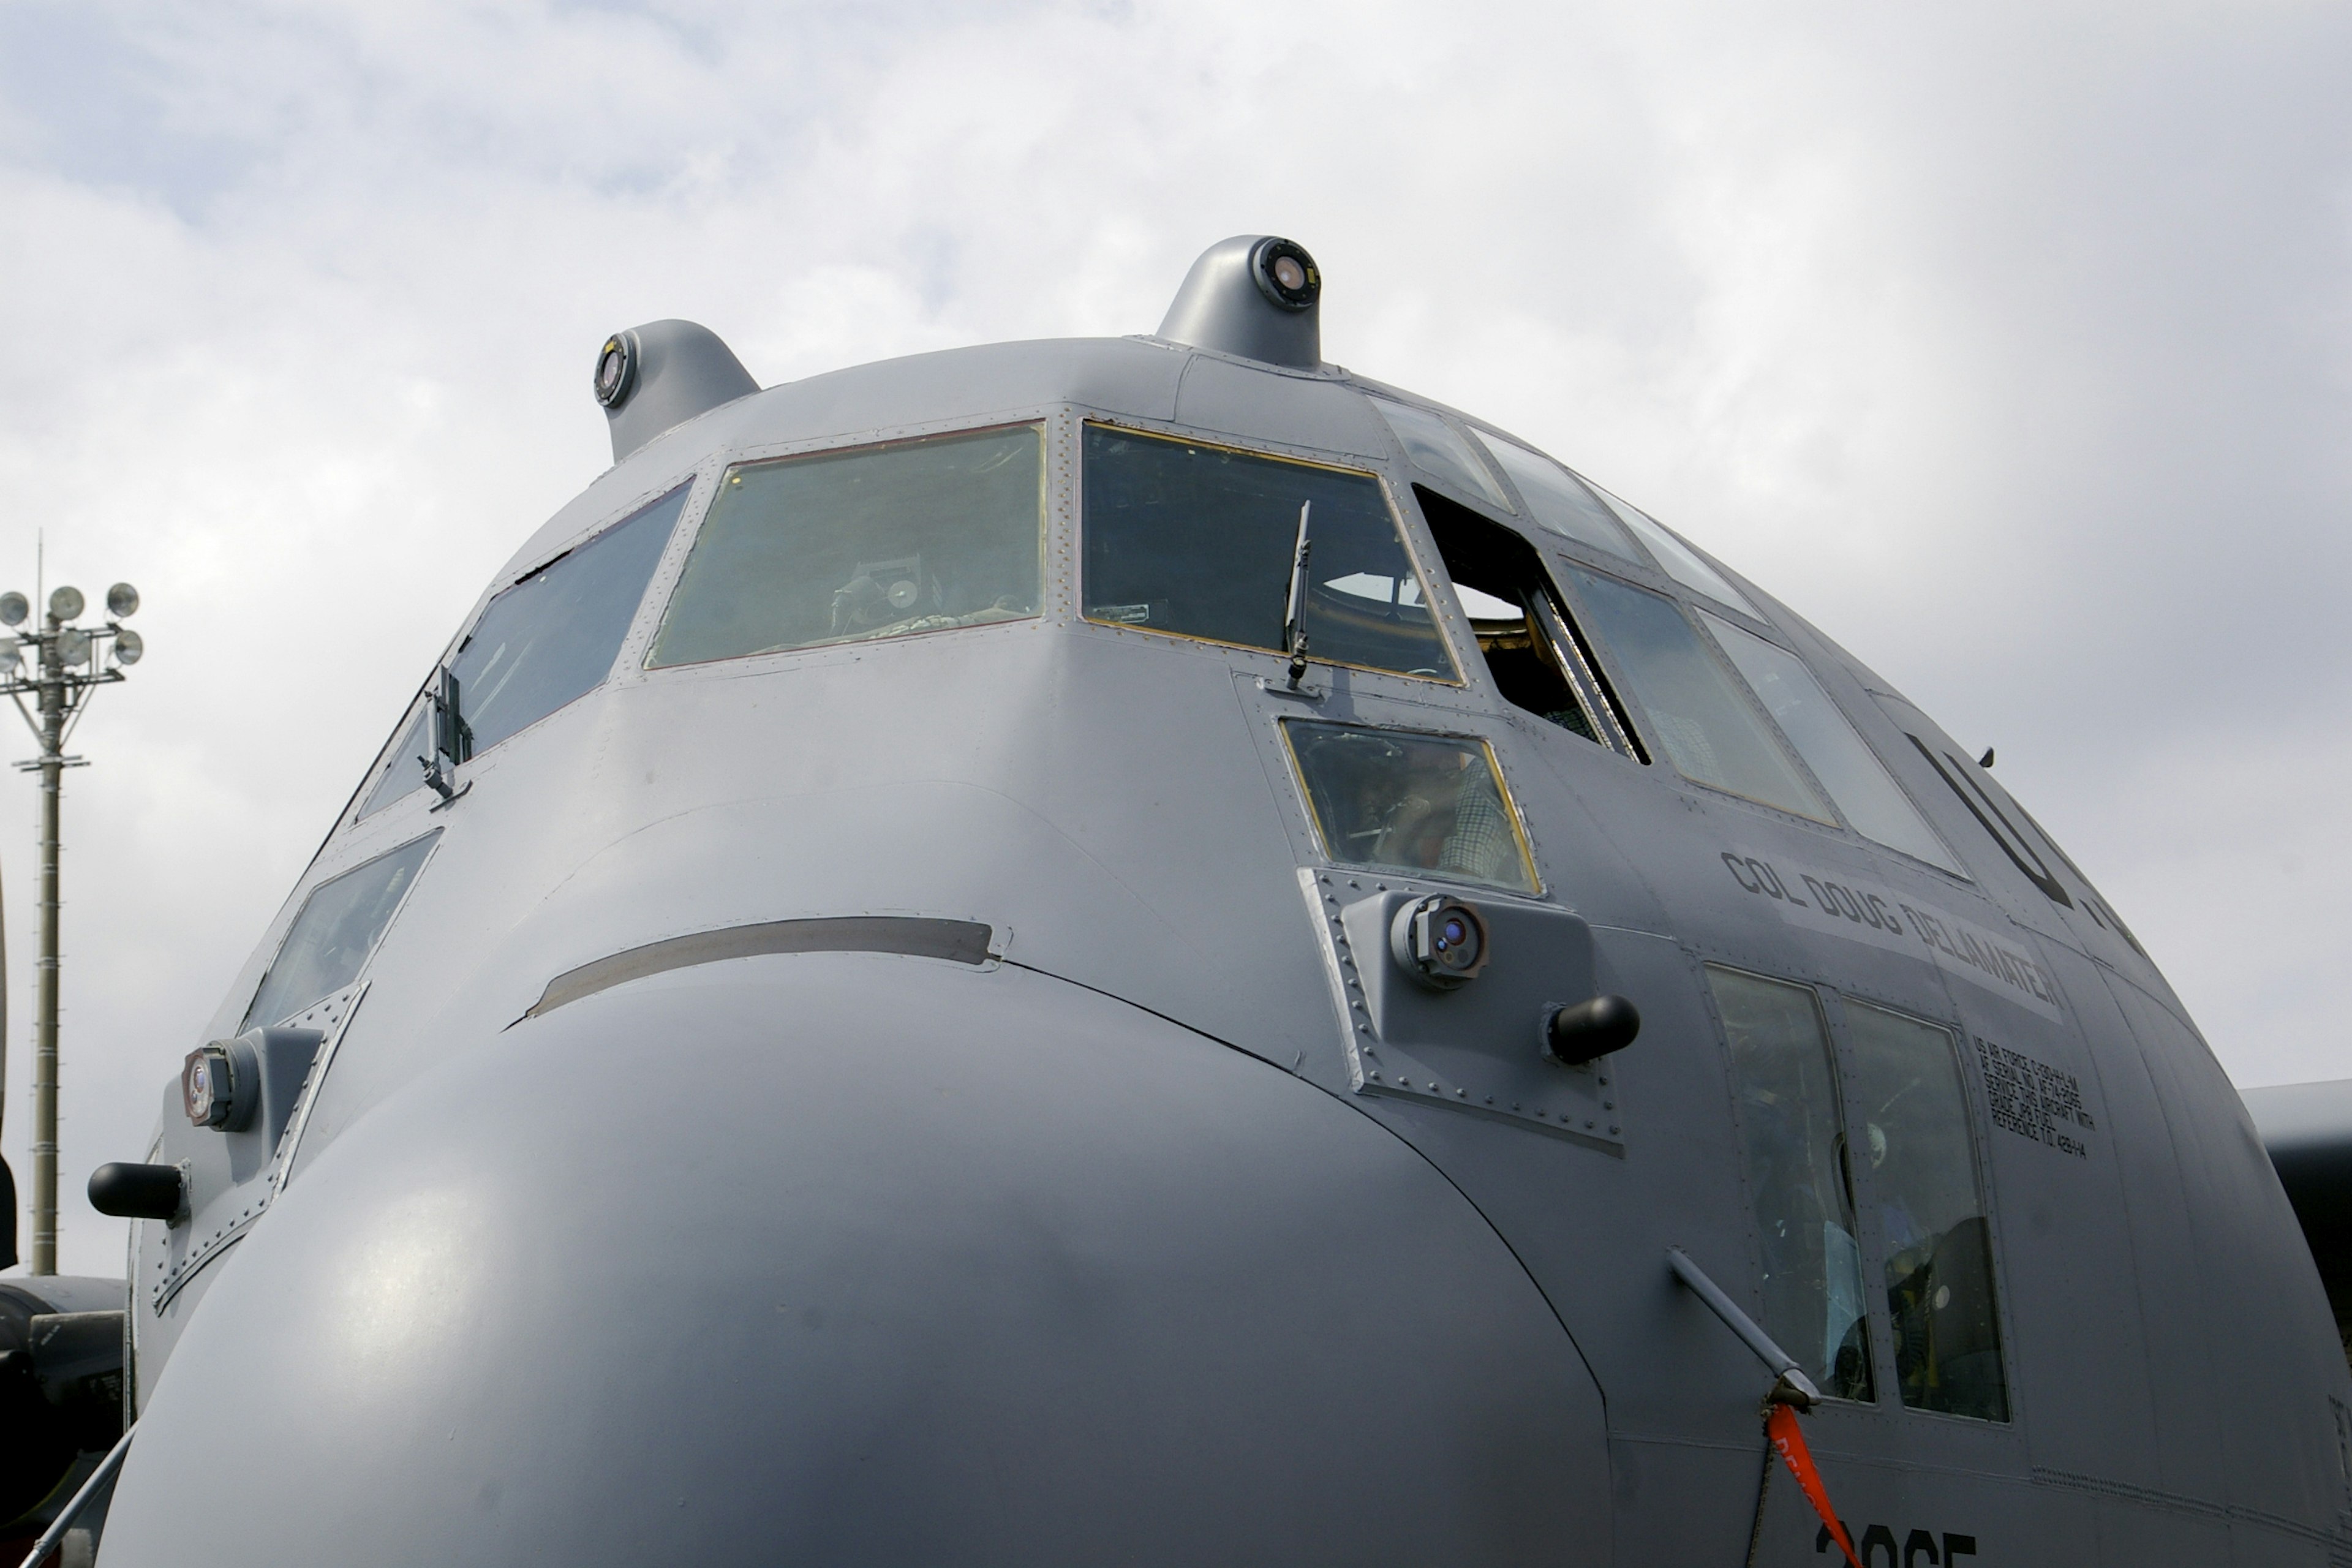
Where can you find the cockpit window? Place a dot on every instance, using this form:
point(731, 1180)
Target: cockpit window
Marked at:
point(1392, 800)
point(1199, 540)
point(1921, 1177)
point(1532, 649)
point(1558, 500)
point(330, 941)
point(1703, 723)
point(552, 637)
point(1679, 560)
point(882, 542)
point(1436, 448)
point(1849, 769)
point(1793, 1144)
point(540, 644)
point(406, 772)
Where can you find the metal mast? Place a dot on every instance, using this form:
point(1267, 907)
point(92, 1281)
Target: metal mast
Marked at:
point(69, 663)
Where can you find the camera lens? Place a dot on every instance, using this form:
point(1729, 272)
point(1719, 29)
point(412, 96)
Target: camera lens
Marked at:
point(1441, 941)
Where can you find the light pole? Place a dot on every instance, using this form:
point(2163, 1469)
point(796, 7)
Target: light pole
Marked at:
point(70, 662)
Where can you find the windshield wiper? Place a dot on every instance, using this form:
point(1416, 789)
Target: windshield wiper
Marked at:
point(1294, 616)
point(451, 737)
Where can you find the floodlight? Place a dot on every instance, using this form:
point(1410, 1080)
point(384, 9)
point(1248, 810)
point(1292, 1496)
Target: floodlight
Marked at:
point(1285, 274)
point(65, 602)
point(128, 646)
point(616, 369)
point(122, 600)
point(73, 646)
point(13, 608)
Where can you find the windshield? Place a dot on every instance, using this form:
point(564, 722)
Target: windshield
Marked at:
point(854, 546)
point(1679, 560)
point(1558, 500)
point(1198, 540)
point(552, 636)
point(1435, 448)
point(1856, 780)
point(1706, 727)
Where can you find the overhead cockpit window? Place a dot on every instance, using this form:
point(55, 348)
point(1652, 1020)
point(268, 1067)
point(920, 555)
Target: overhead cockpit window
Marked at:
point(1786, 1094)
point(552, 637)
point(1558, 500)
point(1393, 800)
point(1920, 1175)
point(854, 546)
point(1199, 540)
point(1704, 723)
point(330, 941)
point(1679, 560)
point(1849, 769)
point(1436, 448)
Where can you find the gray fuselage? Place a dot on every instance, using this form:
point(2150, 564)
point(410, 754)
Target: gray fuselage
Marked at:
point(1057, 1165)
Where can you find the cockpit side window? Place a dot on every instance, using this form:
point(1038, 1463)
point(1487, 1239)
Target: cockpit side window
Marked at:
point(552, 637)
point(856, 546)
point(1530, 646)
point(1396, 800)
point(1920, 1176)
point(541, 642)
point(1199, 541)
point(1706, 726)
point(336, 932)
point(404, 773)
point(1792, 1143)
point(1847, 768)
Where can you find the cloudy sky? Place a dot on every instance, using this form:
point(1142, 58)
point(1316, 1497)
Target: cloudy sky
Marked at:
point(2008, 343)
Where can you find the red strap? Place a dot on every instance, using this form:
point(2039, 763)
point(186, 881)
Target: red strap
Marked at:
point(1780, 1428)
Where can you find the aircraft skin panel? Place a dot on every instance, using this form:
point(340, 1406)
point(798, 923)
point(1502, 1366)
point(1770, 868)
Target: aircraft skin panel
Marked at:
point(1457, 1270)
point(895, 1293)
point(2087, 1219)
point(1238, 399)
point(2254, 1312)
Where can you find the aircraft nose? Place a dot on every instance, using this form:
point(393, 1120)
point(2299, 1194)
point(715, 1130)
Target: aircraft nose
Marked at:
point(863, 1257)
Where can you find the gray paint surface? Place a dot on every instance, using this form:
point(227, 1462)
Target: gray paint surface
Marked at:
point(1110, 1245)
